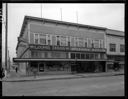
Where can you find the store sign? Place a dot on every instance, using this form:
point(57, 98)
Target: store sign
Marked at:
point(65, 48)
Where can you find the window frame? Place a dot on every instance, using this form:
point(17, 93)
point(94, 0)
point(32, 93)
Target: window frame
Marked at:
point(122, 49)
point(112, 49)
point(37, 38)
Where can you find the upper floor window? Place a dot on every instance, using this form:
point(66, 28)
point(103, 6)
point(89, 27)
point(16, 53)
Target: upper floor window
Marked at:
point(81, 42)
point(96, 43)
point(49, 37)
point(101, 44)
point(76, 42)
point(63, 40)
point(42, 38)
point(85, 43)
point(36, 38)
point(89, 42)
point(72, 41)
point(58, 40)
point(122, 48)
point(112, 47)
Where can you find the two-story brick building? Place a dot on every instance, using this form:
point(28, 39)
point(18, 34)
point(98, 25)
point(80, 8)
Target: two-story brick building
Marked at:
point(56, 46)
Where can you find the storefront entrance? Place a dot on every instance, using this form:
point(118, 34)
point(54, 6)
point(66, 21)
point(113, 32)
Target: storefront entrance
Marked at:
point(41, 67)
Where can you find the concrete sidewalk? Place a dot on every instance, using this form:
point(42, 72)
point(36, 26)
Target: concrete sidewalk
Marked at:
point(57, 77)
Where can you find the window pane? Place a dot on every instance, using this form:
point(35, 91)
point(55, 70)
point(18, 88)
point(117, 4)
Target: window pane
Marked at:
point(72, 55)
point(42, 39)
point(78, 55)
point(58, 40)
point(87, 56)
point(36, 39)
point(96, 43)
point(81, 42)
point(72, 41)
point(63, 41)
point(112, 47)
point(89, 43)
point(54, 41)
point(48, 39)
point(122, 48)
point(85, 43)
point(82, 56)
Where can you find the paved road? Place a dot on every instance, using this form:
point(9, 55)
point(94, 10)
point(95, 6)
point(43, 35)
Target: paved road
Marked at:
point(97, 86)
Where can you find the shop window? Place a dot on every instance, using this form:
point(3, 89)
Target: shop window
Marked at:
point(87, 56)
point(78, 55)
point(36, 38)
point(112, 47)
point(122, 48)
point(82, 56)
point(97, 56)
point(102, 56)
point(72, 55)
point(42, 39)
point(34, 54)
point(91, 56)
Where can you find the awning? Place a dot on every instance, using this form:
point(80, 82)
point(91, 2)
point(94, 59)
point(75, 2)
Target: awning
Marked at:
point(36, 59)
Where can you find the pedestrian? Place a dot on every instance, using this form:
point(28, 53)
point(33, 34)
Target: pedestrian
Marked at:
point(16, 69)
point(2, 71)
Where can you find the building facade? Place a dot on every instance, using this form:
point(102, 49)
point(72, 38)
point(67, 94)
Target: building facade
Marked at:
point(50, 46)
point(115, 45)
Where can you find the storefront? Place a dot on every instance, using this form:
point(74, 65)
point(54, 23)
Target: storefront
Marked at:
point(60, 47)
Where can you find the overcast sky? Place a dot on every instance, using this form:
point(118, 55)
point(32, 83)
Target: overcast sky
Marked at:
point(109, 15)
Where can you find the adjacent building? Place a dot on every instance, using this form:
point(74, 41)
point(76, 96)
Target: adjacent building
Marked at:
point(51, 46)
point(115, 45)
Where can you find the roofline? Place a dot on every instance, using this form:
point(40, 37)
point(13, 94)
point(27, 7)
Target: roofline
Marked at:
point(63, 22)
point(116, 30)
point(115, 35)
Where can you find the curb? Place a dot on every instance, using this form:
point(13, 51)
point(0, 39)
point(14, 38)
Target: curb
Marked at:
point(61, 78)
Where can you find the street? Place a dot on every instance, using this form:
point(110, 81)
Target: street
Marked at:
point(94, 86)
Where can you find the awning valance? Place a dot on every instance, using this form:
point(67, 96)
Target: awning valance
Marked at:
point(36, 59)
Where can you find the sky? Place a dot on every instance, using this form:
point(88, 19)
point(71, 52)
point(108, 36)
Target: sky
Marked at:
point(109, 15)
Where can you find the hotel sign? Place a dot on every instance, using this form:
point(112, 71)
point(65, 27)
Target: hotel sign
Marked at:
point(65, 48)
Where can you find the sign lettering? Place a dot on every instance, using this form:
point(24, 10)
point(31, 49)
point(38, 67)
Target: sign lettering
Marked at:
point(65, 48)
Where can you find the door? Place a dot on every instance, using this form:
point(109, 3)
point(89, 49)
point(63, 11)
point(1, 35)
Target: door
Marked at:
point(41, 67)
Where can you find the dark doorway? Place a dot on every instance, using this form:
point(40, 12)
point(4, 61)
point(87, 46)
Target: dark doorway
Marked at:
point(41, 67)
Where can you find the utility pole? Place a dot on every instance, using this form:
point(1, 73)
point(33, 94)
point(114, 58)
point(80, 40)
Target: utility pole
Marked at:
point(77, 18)
point(61, 13)
point(6, 38)
point(41, 10)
